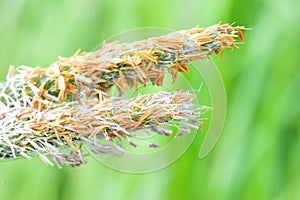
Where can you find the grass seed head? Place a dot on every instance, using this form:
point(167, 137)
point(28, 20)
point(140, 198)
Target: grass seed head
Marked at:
point(51, 111)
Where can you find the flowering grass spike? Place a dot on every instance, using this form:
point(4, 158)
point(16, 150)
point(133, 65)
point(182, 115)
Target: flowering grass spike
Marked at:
point(51, 111)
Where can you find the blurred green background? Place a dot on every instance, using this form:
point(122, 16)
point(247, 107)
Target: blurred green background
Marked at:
point(257, 156)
